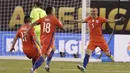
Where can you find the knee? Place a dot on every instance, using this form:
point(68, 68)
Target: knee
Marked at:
point(53, 48)
point(89, 52)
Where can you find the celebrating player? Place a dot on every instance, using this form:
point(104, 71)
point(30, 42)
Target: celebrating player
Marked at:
point(37, 13)
point(29, 42)
point(48, 25)
point(96, 38)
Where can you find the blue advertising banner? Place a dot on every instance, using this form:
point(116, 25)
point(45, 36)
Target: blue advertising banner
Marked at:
point(69, 43)
point(0, 43)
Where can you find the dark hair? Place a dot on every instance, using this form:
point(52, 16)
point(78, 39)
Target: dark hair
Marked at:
point(38, 4)
point(27, 19)
point(49, 10)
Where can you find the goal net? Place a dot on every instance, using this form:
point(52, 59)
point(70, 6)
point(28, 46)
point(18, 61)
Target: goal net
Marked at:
point(69, 45)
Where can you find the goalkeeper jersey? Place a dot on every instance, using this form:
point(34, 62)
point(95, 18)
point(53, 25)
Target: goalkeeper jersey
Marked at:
point(36, 14)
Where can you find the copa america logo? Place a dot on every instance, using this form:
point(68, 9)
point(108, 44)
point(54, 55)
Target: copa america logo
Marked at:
point(128, 49)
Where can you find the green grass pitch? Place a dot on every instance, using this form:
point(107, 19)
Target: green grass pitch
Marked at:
point(23, 66)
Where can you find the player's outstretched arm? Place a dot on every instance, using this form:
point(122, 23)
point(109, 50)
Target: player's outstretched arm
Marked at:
point(13, 44)
point(122, 19)
point(78, 21)
point(63, 29)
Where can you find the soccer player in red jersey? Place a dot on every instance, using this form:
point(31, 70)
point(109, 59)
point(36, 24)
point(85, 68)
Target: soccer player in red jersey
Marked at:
point(48, 25)
point(30, 48)
point(96, 38)
point(36, 13)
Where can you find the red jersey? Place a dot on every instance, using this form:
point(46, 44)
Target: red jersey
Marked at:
point(28, 42)
point(95, 28)
point(48, 25)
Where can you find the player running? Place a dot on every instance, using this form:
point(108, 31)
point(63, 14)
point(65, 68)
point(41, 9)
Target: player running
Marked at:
point(29, 42)
point(48, 25)
point(37, 13)
point(96, 38)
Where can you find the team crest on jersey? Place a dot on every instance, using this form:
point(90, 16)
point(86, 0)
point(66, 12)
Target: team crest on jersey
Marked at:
point(93, 20)
point(97, 21)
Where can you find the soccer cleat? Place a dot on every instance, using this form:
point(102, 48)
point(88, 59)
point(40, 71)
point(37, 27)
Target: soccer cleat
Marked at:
point(47, 68)
point(31, 70)
point(81, 68)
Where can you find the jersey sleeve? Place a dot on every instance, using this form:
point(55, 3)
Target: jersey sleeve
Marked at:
point(103, 20)
point(86, 20)
point(39, 21)
point(32, 32)
point(59, 24)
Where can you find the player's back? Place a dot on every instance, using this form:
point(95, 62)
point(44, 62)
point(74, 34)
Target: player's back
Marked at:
point(27, 42)
point(48, 26)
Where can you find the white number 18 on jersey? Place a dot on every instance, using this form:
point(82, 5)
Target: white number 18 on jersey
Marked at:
point(46, 27)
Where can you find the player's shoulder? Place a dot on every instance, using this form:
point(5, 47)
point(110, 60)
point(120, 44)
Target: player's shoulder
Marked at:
point(24, 27)
point(43, 18)
point(53, 17)
point(89, 16)
point(99, 17)
point(40, 10)
point(50, 17)
point(33, 10)
point(19, 29)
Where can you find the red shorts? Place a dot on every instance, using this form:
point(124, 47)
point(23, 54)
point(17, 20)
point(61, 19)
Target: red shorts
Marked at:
point(32, 53)
point(47, 48)
point(102, 45)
